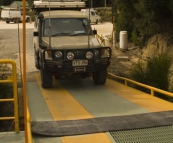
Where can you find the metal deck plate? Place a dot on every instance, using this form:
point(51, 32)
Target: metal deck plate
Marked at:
point(102, 124)
point(149, 135)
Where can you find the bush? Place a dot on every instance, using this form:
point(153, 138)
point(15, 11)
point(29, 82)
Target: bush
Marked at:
point(154, 72)
point(143, 19)
point(158, 68)
point(32, 15)
point(105, 14)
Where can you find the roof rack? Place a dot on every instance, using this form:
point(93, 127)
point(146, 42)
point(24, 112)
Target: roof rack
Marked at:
point(59, 0)
point(43, 5)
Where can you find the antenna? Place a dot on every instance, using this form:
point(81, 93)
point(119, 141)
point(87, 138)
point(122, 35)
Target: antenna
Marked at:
point(49, 28)
point(89, 22)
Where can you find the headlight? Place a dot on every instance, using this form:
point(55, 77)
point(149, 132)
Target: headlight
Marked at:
point(70, 55)
point(89, 55)
point(58, 54)
point(96, 52)
point(105, 53)
point(48, 55)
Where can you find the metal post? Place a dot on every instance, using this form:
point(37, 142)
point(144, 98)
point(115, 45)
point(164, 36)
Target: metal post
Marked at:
point(15, 96)
point(113, 23)
point(91, 4)
point(90, 21)
point(152, 92)
point(113, 32)
point(24, 70)
point(49, 27)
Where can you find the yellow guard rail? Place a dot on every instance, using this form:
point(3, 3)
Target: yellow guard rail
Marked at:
point(12, 79)
point(152, 89)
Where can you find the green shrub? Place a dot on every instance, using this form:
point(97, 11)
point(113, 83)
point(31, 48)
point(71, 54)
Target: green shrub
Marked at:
point(154, 72)
point(105, 14)
point(143, 19)
point(32, 15)
point(158, 68)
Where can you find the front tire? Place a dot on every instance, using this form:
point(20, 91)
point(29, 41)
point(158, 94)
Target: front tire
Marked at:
point(100, 76)
point(46, 79)
point(97, 21)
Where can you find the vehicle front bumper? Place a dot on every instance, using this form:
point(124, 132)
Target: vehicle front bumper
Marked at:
point(65, 67)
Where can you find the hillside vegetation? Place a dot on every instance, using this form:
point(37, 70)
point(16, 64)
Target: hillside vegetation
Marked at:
point(144, 19)
point(149, 25)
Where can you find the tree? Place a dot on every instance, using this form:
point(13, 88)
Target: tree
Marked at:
point(30, 2)
point(143, 18)
point(8, 2)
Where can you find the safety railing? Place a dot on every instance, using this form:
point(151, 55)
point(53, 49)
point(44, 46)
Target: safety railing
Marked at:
point(28, 131)
point(12, 79)
point(101, 39)
point(152, 89)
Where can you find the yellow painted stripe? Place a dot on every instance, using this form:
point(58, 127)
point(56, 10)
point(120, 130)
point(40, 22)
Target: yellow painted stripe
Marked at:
point(61, 104)
point(142, 99)
point(91, 138)
point(64, 107)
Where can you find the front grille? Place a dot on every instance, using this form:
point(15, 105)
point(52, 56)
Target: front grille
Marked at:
point(78, 54)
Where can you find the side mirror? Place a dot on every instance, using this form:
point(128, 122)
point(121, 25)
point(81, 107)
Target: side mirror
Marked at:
point(42, 46)
point(35, 33)
point(41, 16)
point(94, 32)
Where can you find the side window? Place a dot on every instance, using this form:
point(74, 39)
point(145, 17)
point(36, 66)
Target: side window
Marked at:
point(92, 13)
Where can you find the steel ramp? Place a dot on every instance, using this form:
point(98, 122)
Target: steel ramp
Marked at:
point(76, 100)
point(102, 124)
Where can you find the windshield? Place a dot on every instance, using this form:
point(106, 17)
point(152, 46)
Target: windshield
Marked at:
point(66, 27)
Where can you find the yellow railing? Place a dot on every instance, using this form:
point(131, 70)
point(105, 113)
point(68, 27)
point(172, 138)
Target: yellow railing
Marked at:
point(152, 89)
point(101, 39)
point(12, 79)
point(28, 131)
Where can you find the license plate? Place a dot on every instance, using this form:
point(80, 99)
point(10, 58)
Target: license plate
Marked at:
point(80, 63)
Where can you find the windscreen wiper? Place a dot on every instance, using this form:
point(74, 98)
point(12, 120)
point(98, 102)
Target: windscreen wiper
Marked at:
point(75, 34)
point(57, 34)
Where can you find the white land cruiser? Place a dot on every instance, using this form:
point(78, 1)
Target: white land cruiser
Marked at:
point(65, 44)
point(13, 15)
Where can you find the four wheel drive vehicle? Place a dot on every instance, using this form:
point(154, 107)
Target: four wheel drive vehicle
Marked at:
point(92, 15)
point(13, 15)
point(65, 44)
